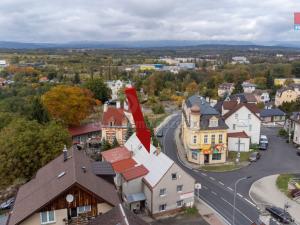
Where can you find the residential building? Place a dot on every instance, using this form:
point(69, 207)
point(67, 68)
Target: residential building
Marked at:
point(238, 141)
point(248, 87)
point(287, 94)
point(281, 81)
point(225, 89)
point(150, 181)
point(204, 132)
point(116, 86)
point(244, 117)
point(243, 97)
point(119, 215)
point(114, 124)
point(273, 116)
point(80, 134)
point(262, 96)
point(239, 60)
point(63, 191)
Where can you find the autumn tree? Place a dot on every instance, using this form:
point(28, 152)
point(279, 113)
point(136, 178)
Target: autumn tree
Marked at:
point(192, 88)
point(69, 104)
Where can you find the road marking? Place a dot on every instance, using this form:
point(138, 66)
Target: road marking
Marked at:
point(230, 188)
point(212, 178)
point(251, 203)
point(237, 209)
point(221, 183)
point(204, 174)
point(214, 193)
point(240, 195)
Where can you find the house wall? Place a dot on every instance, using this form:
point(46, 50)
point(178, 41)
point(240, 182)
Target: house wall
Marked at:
point(148, 195)
point(132, 187)
point(249, 89)
point(35, 219)
point(242, 123)
point(233, 144)
point(108, 133)
point(296, 138)
point(172, 196)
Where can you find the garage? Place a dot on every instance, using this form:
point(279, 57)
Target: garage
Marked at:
point(238, 141)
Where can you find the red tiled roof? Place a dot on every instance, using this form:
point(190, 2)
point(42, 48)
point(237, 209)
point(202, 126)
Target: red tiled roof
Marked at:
point(116, 154)
point(229, 105)
point(135, 172)
point(238, 134)
point(123, 165)
point(252, 107)
point(84, 129)
point(114, 115)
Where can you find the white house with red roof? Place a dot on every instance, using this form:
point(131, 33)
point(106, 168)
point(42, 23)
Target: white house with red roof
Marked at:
point(238, 141)
point(150, 181)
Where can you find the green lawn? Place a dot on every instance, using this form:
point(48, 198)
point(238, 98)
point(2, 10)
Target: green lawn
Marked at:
point(221, 167)
point(282, 182)
point(244, 157)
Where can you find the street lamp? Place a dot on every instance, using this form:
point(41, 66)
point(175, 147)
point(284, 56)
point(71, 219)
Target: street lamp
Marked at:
point(234, 196)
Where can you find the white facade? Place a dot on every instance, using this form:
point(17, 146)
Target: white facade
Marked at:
point(240, 60)
point(115, 86)
point(234, 144)
point(248, 87)
point(244, 120)
point(296, 139)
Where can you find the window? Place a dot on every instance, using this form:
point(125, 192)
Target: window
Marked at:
point(179, 203)
point(84, 209)
point(162, 192)
point(111, 124)
point(233, 126)
point(249, 116)
point(179, 188)
point(174, 176)
point(213, 122)
point(213, 139)
point(250, 127)
point(194, 155)
point(47, 217)
point(195, 139)
point(236, 116)
point(205, 139)
point(220, 138)
point(163, 207)
point(216, 156)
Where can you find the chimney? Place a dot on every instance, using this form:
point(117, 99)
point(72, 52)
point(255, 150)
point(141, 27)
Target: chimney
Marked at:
point(83, 169)
point(238, 100)
point(65, 152)
point(118, 104)
point(105, 107)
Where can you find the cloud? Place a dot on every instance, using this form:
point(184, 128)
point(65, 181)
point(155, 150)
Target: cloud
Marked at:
point(109, 20)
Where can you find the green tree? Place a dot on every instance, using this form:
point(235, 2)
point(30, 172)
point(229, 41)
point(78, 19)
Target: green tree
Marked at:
point(32, 146)
point(296, 69)
point(105, 145)
point(115, 143)
point(76, 79)
point(39, 113)
point(99, 88)
point(270, 80)
point(129, 131)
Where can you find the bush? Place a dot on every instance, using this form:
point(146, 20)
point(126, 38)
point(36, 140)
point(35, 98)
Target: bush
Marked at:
point(191, 211)
point(282, 132)
point(158, 109)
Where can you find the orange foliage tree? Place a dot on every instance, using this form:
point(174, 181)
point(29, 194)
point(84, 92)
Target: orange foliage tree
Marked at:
point(69, 104)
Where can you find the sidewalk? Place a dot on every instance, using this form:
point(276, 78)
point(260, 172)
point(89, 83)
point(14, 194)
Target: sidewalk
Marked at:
point(265, 192)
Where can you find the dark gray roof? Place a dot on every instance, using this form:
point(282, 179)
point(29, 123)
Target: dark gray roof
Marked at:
point(204, 123)
point(244, 97)
point(271, 112)
point(119, 215)
point(102, 168)
point(205, 107)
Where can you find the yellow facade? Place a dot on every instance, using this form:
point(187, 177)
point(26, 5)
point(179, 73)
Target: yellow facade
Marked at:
point(281, 81)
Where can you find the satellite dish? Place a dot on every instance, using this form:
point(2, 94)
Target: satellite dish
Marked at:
point(70, 198)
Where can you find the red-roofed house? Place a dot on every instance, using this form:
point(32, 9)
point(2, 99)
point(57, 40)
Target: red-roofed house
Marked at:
point(116, 154)
point(238, 141)
point(134, 172)
point(82, 133)
point(114, 124)
point(123, 165)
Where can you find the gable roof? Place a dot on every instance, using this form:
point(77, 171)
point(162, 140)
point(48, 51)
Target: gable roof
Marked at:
point(84, 129)
point(116, 154)
point(156, 163)
point(271, 112)
point(113, 114)
point(252, 108)
point(205, 107)
point(244, 97)
point(56, 177)
point(238, 134)
point(119, 215)
point(102, 168)
point(123, 165)
point(229, 105)
point(135, 172)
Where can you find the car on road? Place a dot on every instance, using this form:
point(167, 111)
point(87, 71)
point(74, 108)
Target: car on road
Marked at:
point(160, 133)
point(263, 139)
point(263, 146)
point(254, 156)
point(280, 214)
point(8, 204)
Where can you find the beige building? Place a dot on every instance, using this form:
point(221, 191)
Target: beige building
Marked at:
point(287, 94)
point(225, 89)
point(204, 132)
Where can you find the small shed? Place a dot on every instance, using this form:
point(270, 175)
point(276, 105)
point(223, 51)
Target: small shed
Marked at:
point(238, 141)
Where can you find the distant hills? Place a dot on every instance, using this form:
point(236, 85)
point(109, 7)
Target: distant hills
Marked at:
point(142, 44)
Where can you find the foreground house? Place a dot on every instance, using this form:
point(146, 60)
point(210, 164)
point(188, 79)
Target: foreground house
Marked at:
point(150, 182)
point(204, 132)
point(119, 215)
point(64, 191)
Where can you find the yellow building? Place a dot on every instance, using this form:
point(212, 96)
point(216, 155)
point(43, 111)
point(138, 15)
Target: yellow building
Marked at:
point(281, 81)
point(204, 132)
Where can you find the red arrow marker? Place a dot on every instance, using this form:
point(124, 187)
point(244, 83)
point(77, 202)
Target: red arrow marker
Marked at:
point(142, 132)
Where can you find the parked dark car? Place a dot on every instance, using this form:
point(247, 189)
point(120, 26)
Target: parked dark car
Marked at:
point(263, 146)
point(280, 214)
point(254, 156)
point(7, 204)
point(160, 133)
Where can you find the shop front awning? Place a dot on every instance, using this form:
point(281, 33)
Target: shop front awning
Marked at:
point(136, 197)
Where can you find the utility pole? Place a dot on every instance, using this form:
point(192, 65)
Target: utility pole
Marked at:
point(239, 151)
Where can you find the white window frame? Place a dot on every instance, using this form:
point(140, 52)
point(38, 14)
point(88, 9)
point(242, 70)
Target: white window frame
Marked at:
point(180, 185)
point(181, 203)
point(220, 138)
point(175, 176)
point(233, 126)
point(162, 206)
point(236, 116)
point(87, 208)
point(249, 116)
point(213, 139)
point(205, 139)
point(48, 221)
point(250, 127)
point(165, 192)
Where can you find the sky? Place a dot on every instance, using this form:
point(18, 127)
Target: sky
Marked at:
point(60, 21)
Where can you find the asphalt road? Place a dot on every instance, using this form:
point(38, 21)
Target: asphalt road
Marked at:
point(218, 188)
